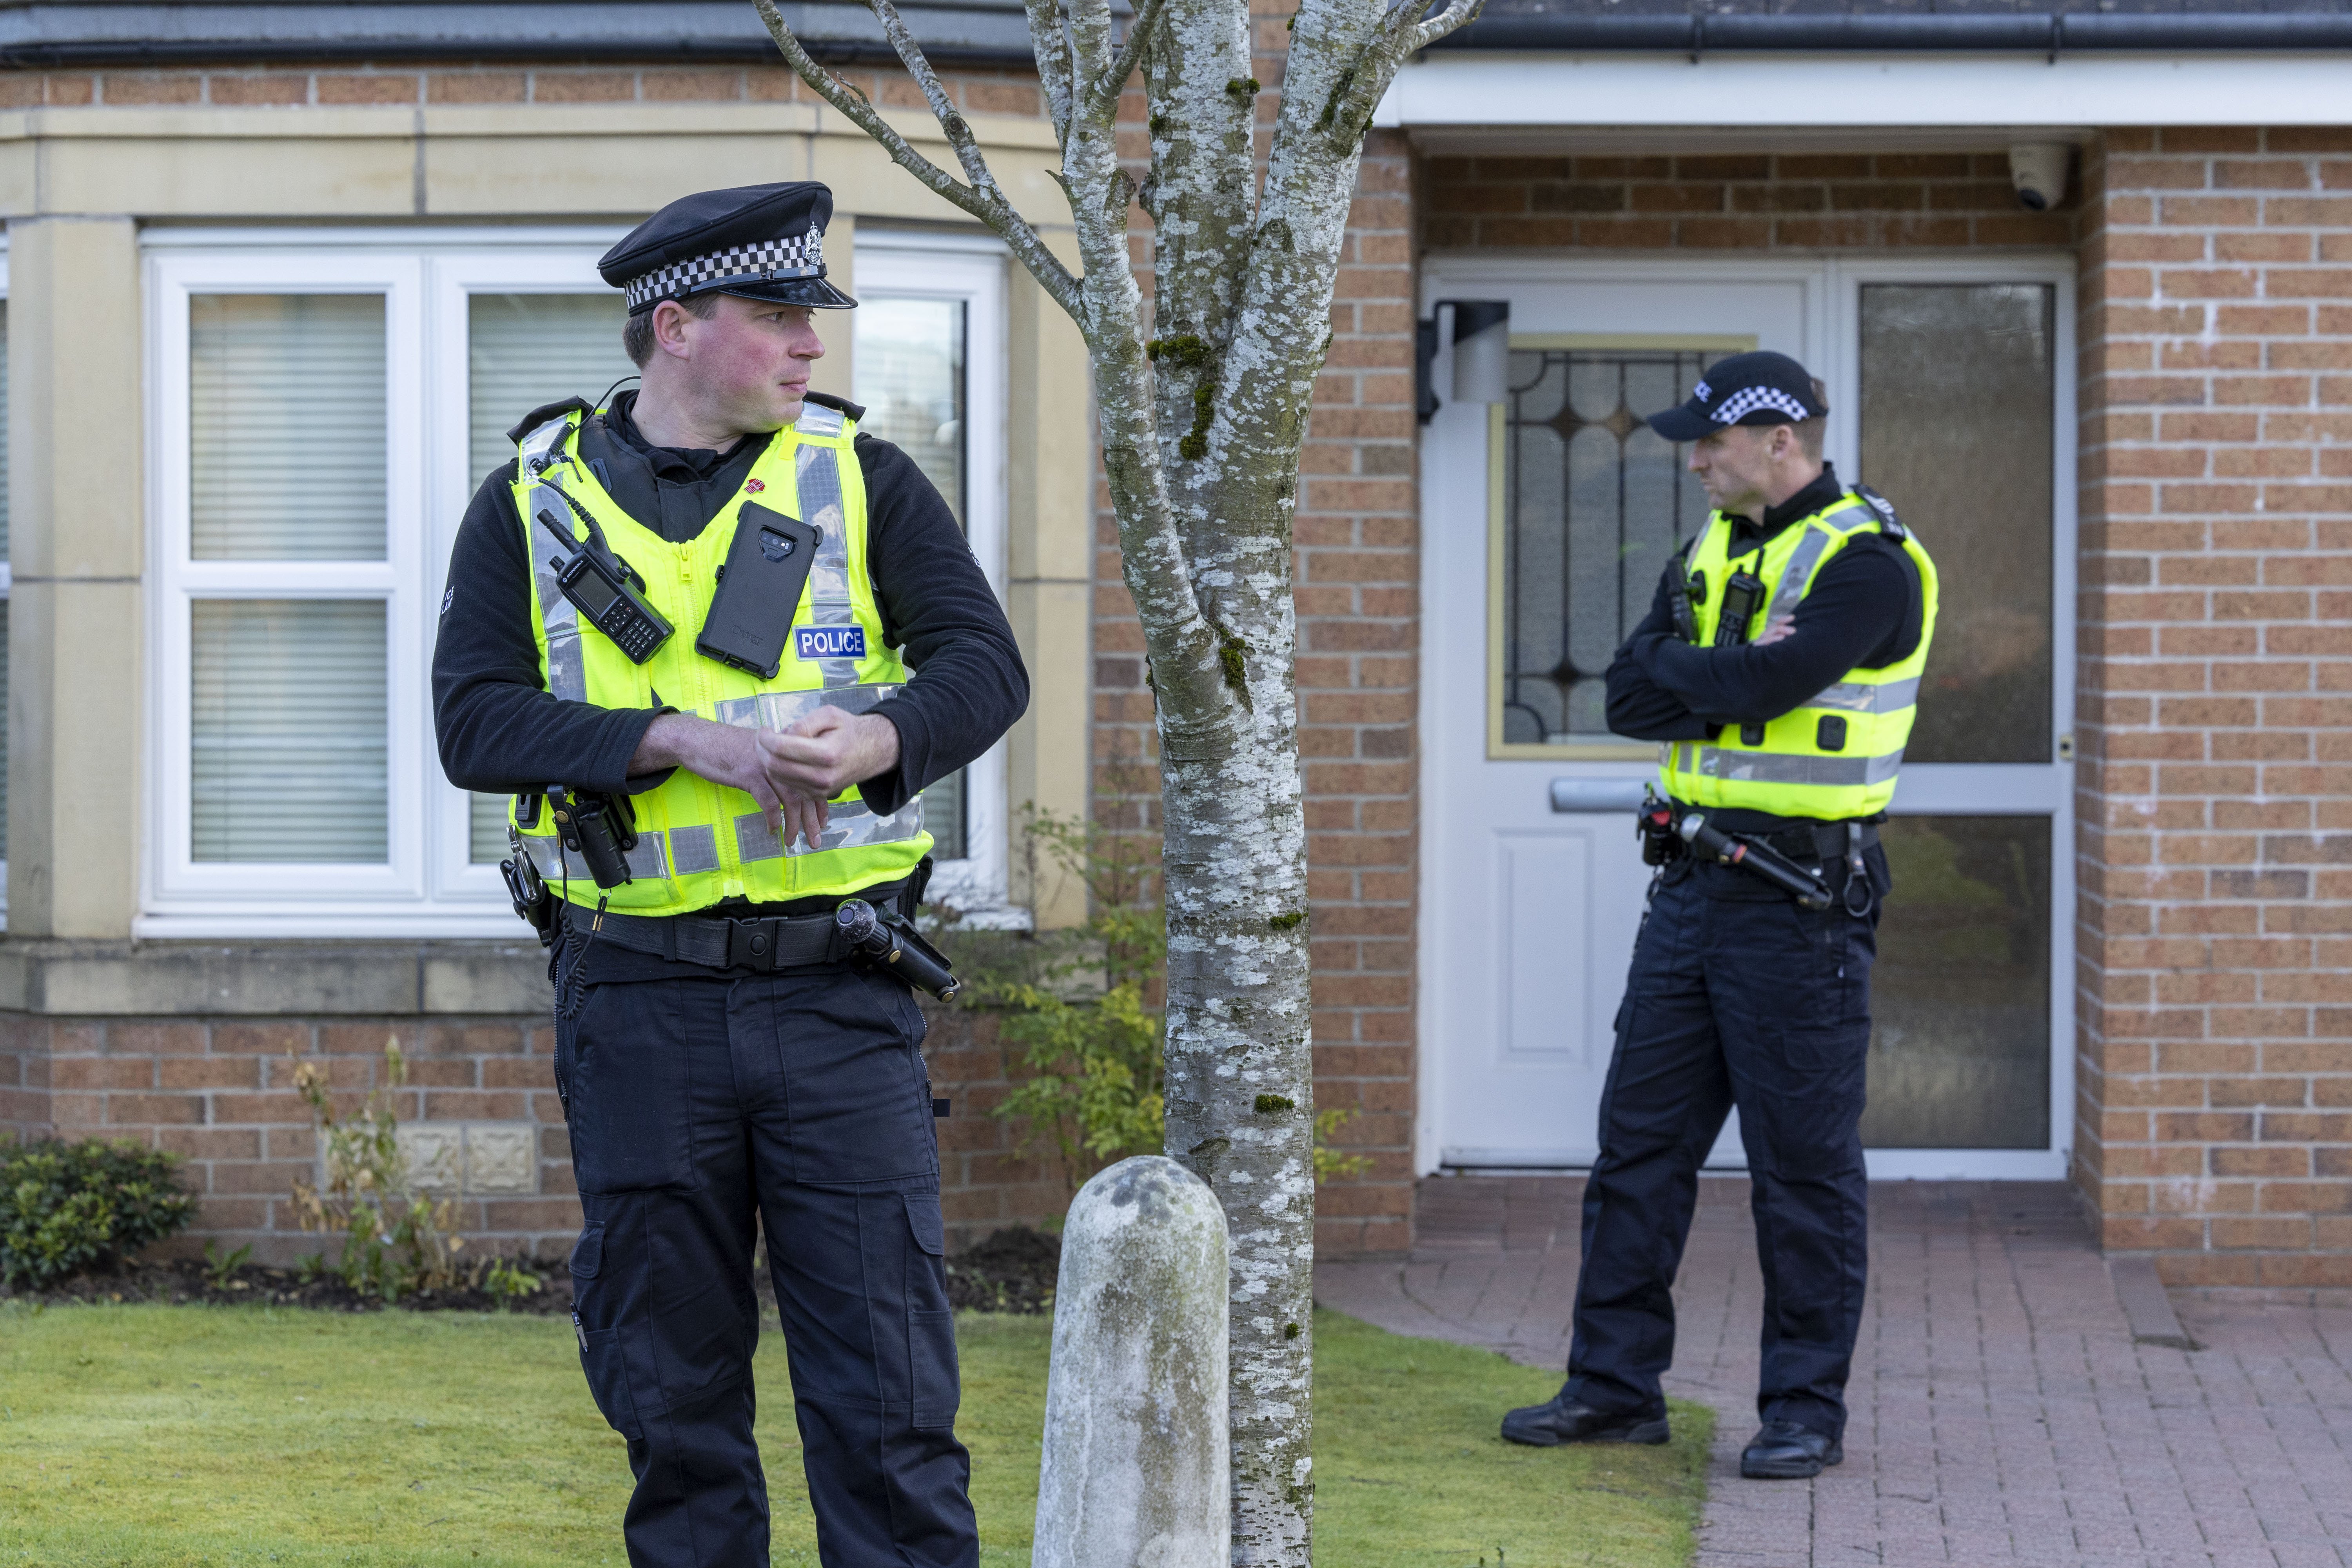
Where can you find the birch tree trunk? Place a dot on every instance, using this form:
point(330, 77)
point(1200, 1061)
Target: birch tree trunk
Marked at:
point(1203, 413)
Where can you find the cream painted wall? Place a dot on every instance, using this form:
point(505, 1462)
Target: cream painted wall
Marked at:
point(68, 178)
point(77, 543)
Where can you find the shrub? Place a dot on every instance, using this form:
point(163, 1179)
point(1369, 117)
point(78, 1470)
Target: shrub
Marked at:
point(1083, 1009)
point(394, 1239)
point(65, 1207)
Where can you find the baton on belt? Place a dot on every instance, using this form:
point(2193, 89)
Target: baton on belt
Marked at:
point(1756, 858)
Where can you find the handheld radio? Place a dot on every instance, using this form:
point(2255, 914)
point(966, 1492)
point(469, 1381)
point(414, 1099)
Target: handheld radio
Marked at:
point(605, 589)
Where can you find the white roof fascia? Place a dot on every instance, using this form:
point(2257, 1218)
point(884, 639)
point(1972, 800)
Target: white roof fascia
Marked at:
point(1825, 90)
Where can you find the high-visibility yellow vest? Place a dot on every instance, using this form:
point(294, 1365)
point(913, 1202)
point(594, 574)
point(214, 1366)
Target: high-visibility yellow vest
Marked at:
point(699, 843)
point(1838, 755)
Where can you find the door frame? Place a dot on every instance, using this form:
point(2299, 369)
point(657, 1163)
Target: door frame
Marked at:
point(1831, 337)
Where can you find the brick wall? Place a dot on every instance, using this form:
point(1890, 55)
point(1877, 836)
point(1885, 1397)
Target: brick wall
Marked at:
point(219, 1091)
point(1749, 202)
point(981, 92)
point(2215, 714)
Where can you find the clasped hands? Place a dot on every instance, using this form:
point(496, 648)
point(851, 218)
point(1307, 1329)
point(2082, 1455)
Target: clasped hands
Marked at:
point(790, 773)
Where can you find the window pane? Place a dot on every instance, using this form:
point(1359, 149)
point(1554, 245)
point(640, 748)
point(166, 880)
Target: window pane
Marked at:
point(1594, 501)
point(1956, 390)
point(522, 352)
point(4, 427)
point(286, 426)
point(4, 730)
point(1960, 1043)
point(526, 350)
point(911, 379)
point(288, 730)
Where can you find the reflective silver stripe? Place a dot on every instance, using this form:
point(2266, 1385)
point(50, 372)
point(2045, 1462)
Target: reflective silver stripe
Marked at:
point(1798, 575)
point(817, 419)
point(1855, 697)
point(567, 671)
point(650, 859)
point(818, 470)
point(781, 710)
point(847, 824)
point(1772, 767)
point(693, 849)
point(546, 853)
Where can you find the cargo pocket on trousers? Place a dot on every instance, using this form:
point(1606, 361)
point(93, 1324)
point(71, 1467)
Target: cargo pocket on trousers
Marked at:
point(930, 1336)
point(606, 1360)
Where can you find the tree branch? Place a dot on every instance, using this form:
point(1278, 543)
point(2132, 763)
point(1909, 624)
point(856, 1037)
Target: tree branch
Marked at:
point(987, 203)
point(1104, 97)
point(1401, 34)
point(1051, 47)
point(1090, 44)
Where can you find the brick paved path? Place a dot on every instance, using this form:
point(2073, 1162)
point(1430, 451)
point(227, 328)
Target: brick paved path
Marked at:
point(2001, 1410)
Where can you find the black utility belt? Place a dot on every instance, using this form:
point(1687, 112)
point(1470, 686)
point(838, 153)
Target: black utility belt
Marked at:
point(856, 932)
point(1824, 842)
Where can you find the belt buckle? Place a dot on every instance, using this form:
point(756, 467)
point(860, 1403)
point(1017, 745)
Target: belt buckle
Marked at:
point(751, 944)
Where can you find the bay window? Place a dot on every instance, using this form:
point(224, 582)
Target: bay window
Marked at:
point(321, 410)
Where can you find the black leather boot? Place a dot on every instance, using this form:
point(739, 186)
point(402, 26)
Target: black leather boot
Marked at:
point(1784, 1451)
point(1564, 1420)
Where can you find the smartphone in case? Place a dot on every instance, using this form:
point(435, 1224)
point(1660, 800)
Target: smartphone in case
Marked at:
point(759, 590)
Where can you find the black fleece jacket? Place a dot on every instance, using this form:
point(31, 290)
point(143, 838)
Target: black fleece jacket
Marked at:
point(1862, 613)
point(502, 730)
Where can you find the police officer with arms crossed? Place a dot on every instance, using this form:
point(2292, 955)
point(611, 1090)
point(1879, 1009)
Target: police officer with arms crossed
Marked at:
point(723, 1051)
point(1783, 688)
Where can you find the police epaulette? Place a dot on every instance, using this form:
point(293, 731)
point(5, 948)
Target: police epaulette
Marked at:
point(1888, 524)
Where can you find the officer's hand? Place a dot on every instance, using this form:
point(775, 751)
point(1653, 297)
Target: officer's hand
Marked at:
point(1777, 627)
point(729, 755)
point(825, 752)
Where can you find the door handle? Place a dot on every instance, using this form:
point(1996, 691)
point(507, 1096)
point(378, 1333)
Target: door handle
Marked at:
point(1596, 794)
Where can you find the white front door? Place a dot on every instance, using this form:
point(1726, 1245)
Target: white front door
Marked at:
point(1547, 519)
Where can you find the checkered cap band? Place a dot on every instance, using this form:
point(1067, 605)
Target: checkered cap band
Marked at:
point(1748, 399)
point(796, 256)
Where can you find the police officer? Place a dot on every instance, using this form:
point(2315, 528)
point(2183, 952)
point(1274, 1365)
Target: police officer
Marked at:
point(1788, 728)
point(721, 1062)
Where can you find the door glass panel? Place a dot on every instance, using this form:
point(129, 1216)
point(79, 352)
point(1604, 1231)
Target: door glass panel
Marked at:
point(1956, 404)
point(286, 427)
point(1593, 503)
point(1960, 1042)
point(522, 352)
point(910, 378)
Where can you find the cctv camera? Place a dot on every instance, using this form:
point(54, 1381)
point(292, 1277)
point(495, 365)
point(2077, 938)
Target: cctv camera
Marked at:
point(2038, 170)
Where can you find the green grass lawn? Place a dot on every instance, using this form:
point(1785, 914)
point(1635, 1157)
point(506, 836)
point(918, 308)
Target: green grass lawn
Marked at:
point(164, 1437)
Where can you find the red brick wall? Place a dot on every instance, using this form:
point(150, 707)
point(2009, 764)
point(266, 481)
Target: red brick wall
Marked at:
point(981, 92)
point(2215, 714)
point(219, 1091)
point(1759, 201)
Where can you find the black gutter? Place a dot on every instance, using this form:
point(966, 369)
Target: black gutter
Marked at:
point(189, 53)
point(2045, 33)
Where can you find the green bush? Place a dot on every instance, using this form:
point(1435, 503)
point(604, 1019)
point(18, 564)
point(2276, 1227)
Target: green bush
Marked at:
point(65, 1207)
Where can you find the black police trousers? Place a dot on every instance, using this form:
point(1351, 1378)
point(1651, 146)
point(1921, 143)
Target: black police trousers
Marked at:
point(694, 1105)
point(1737, 997)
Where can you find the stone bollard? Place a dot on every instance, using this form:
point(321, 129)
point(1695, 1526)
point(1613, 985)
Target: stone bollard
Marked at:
point(1136, 1447)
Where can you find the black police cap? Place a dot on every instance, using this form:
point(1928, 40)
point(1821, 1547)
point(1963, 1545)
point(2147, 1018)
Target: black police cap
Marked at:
point(763, 242)
point(1761, 388)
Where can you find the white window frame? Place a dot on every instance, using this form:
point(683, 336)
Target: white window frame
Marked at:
point(904, 263)
point(255, 896)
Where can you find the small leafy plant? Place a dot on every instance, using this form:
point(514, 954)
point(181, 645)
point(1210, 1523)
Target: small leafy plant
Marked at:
point(65, 1208)
point(505, 1281)
point(220, 1267)
point(1083, 1014)
point(395, 1240)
